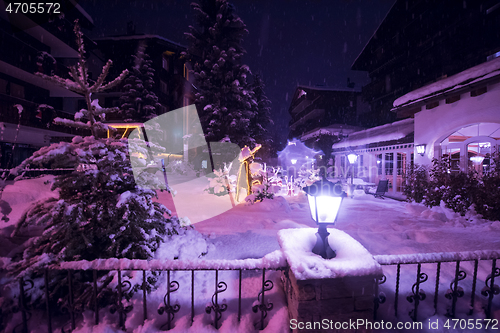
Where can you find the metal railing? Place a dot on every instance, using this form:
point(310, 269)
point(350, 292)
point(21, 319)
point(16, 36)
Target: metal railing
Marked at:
point(457, 287)
point(216, 307)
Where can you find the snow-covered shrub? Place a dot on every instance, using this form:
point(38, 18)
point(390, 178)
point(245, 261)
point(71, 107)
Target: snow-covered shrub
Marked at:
point(461, 192)
point(487, 195)
point(259, 193)
point(415, 183)
point(222, 179)
point(439, 179)
point(306, 177)
point(101, 212)
point(180, 167)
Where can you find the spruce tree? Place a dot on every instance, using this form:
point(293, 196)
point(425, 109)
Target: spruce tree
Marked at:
point(263, 110)
point(139, 102)
point(224, 99)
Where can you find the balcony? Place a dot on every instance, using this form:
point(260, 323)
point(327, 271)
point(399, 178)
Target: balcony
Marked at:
point(9, 114)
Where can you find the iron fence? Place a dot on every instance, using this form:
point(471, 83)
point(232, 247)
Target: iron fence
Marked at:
point(215, 307)
point(481, 266)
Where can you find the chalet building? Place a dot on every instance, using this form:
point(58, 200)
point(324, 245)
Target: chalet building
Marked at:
point(436, 66)
point(420, 42)
point(320, 115)
point(172, 79)
point(35, 43)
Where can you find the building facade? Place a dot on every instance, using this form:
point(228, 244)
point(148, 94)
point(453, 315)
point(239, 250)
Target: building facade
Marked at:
point(35, 43)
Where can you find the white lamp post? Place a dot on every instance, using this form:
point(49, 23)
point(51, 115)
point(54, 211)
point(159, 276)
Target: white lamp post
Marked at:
point(324, 199)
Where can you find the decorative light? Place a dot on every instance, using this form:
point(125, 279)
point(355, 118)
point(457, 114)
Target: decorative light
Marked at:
point(325, 199)
point(477, 159)
point(352, 158)
point(421, 149)
point(293, 160)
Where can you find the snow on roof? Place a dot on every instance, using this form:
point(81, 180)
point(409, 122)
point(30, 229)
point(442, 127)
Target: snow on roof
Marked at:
point(471, 75)
point(127, 37)
point(325, 88)
point(330, 130)
point(393, 131)
point(352, 258)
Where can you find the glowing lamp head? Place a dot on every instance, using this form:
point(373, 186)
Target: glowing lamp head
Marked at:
point(293, 160)
point(324, 199)
point(477, 159)
point(420, 149)
point(352, 158)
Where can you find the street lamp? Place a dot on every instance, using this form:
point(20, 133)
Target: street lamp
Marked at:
point(352, 159)
point(324, 199)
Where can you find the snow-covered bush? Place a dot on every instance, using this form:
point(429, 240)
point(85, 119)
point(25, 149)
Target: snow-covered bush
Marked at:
point(221, 181)
point(415, 183)
point(179, 167)
point(101, 212)
point(460, 191)
point(259, 193)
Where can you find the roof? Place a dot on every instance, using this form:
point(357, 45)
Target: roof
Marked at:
point(135, 37)
point(372, 39)
point(333, 130)
point(453, 83)
point(387, 132)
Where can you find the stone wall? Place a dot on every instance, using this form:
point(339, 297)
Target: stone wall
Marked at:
point(337, 299)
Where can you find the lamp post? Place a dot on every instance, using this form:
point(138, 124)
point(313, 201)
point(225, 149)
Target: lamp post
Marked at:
point(352, 159)
point(324, 199)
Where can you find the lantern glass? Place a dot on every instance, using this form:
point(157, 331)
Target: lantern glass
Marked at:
point(421, 149)
point(352, 158)
point(327, 208)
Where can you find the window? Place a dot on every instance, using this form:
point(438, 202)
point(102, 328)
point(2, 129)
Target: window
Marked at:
point(401, 164)
point(471, 146)
point(389, 163)
point(164, 64)
point(186, 72)
point(478, 155)
point(3, 86)
point(379, 164)
point(164, 87)
point(16, 90)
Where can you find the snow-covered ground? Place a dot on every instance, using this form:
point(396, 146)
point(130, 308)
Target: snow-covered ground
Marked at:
point(250, 231)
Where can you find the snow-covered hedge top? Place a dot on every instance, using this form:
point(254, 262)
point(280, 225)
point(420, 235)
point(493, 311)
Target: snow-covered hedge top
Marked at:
point(352, 258)
point(273, 260)
point(435, 257)
point(481, 71)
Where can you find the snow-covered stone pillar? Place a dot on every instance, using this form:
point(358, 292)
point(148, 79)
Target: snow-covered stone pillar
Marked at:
point(327, 293)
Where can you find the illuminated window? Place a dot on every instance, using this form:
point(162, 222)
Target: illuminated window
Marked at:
point(186, 72)
point(165, 64)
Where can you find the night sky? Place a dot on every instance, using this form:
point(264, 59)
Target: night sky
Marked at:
point(290, 42)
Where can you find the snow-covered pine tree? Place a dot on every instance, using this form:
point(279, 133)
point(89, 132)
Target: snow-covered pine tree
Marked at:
point(102, 209)
point(81, 85)
point(139, 102)
point(224, 99)
point(263, 115)
point(100, 213)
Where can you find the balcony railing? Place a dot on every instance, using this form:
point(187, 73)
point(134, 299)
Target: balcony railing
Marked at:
point(9, 114)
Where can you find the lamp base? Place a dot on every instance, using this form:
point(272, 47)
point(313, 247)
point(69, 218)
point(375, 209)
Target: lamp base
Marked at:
point(322, 247)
